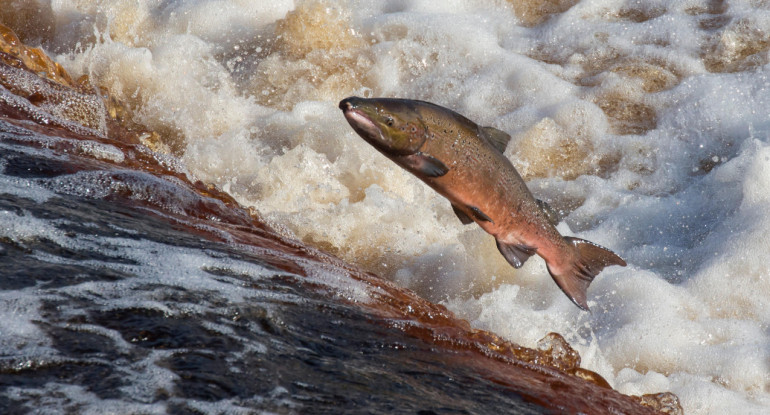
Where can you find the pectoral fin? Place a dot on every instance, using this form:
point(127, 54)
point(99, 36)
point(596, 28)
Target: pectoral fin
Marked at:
point(515, 254)
point(425, 164)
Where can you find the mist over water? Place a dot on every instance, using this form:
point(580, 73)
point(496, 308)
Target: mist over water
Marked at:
point(644, 122)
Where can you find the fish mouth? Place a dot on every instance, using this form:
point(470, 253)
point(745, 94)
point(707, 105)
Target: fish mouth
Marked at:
point(361, 123)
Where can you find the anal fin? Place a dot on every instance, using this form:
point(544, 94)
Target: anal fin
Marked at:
point(515, 254)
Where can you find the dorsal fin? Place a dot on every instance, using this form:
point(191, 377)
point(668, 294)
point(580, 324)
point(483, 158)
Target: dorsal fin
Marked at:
point(550, 213)
point(498, 139)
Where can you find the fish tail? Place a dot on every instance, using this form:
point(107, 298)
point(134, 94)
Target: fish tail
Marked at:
point(589, 262)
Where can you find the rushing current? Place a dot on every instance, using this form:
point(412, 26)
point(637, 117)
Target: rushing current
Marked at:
point(645, 123)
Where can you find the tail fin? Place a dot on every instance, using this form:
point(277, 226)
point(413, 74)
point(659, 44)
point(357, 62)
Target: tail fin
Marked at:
point(591, 260)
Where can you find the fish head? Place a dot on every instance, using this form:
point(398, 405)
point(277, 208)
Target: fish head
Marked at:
point(393, 126)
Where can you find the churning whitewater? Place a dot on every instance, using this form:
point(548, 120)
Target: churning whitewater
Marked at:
point(643, 124)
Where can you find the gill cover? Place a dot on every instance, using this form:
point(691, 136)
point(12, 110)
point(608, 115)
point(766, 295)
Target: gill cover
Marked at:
point(392, 126)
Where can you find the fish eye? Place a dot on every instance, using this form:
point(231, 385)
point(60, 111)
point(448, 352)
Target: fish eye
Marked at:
point(389, 121)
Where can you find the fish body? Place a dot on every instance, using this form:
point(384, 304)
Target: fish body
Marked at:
point(465, 163)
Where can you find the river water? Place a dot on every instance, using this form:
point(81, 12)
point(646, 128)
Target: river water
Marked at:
point(643, 122)
point(127, 288)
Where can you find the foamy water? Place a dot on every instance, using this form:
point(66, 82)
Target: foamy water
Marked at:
point(645, 122)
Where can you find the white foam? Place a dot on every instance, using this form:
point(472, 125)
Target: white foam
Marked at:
point(78, 398)
point(102, 151)
point(683, 200)
point(26, 344)
point(19, 332)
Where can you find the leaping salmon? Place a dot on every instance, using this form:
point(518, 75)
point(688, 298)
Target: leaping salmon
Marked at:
point(465, 163)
